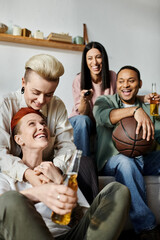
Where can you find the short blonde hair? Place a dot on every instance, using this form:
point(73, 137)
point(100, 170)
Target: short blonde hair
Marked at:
point(46, 66)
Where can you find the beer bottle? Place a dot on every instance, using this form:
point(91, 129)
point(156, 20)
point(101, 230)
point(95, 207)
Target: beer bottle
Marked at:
point(71, 181)
point(154, 104)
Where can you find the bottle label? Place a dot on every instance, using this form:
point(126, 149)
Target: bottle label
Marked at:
point(154, 111)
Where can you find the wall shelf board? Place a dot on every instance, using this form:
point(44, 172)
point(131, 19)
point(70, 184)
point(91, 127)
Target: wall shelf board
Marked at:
point(40, 42)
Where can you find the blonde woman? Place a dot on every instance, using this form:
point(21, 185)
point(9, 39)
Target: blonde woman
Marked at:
point(41, 78)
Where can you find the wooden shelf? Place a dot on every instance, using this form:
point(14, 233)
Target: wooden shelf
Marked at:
point(40, 42)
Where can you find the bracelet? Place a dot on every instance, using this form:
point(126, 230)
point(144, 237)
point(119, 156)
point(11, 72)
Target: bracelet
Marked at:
point(136, 110)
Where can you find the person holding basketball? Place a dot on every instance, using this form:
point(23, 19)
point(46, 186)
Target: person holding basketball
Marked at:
point(108, 110)
point(94, 80)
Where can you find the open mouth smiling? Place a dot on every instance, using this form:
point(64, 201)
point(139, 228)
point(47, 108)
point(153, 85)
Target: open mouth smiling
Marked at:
point(41, 135)
point(126, 92)
point(95, 68)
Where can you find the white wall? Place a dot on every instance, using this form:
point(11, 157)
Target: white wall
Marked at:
point(129, 30)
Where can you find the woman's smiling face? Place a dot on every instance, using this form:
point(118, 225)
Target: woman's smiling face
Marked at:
point(33, 131)
point(94, 61)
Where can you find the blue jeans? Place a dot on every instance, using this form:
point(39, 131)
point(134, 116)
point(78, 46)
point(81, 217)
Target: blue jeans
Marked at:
point(130, 172)
point(82, 126)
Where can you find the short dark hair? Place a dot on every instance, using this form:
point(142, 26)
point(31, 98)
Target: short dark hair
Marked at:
point(131, 68)
point(86, 82)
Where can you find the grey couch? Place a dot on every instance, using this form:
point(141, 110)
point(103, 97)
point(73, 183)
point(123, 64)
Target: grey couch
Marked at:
point(153, 194)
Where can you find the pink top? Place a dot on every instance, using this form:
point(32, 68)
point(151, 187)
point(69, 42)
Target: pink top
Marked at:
point(97, 91)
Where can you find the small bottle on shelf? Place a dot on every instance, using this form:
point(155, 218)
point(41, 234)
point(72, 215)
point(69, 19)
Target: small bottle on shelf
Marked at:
point(154, 104)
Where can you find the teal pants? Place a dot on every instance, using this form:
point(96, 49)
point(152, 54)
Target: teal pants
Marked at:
point(104, 220)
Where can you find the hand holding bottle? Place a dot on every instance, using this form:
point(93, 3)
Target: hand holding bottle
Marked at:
point(154, 101)
point(71, 181)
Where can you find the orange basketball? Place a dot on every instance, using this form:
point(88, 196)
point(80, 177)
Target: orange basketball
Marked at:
point(127, 142)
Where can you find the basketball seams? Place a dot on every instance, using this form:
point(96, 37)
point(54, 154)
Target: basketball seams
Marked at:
point(120, 141)
point(128, 142)
point(127, 132)
point(134, 141)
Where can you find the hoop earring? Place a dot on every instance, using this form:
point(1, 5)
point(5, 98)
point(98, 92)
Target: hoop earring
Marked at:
point(22, 90)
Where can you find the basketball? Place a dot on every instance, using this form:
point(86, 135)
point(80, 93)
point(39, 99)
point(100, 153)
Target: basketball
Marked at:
point(127, 141)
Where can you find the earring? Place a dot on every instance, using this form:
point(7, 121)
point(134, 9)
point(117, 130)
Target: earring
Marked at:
point(22, 90)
